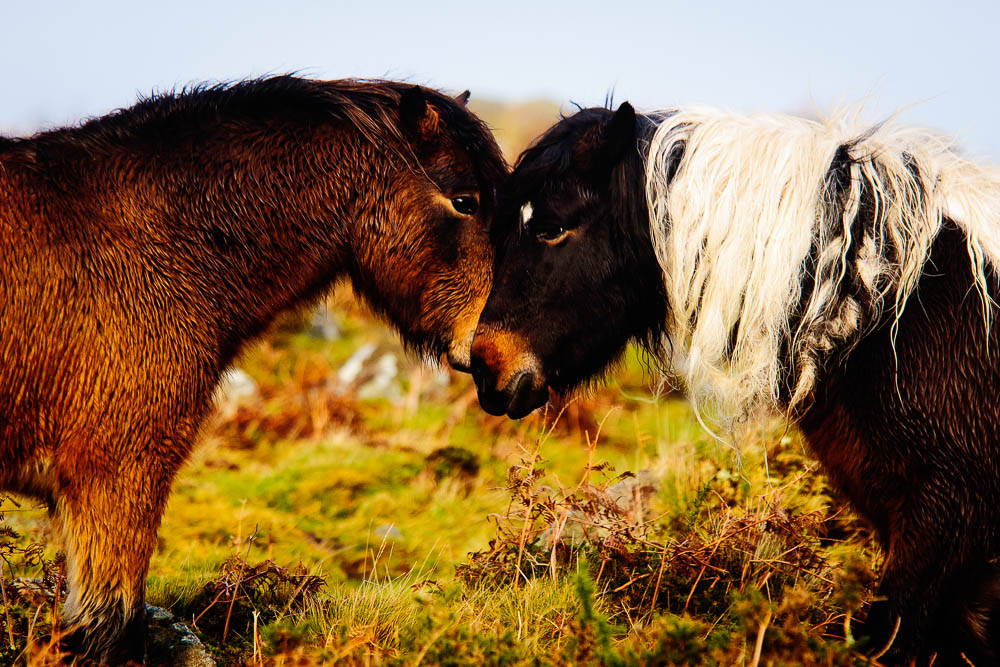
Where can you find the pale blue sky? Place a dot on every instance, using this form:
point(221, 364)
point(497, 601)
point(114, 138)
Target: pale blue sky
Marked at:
point(62, 61)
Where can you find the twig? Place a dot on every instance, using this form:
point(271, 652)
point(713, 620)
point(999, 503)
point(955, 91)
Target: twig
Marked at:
point(708, 560)
point(892, 638)
point(759, 646)
point(6, 606)
point(256, 639)
point(557, 530)
point(659, 577)
point(520, 543)
point(239, 580)
point(527, 514)
point(55, 598)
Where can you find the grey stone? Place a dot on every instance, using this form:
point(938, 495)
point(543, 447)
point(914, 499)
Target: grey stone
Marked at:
point(323, 326)
point(383, 381)
point(170, 642)
point(351, 370)
point(237, 386)
point(632, 495)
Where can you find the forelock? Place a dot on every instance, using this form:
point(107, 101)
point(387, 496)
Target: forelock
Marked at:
point(552, 157)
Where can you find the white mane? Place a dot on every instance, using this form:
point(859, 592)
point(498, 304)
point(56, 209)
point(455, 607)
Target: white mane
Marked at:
point(749, 201)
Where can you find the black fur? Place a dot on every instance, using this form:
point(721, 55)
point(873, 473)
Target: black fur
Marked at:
point(907, 429)
point(594, 198)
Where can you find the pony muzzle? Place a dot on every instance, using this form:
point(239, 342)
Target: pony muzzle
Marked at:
point(460, 354)
point(508, 375)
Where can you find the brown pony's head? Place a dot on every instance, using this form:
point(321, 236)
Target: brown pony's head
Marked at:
point(422, 253)
point(576, 277)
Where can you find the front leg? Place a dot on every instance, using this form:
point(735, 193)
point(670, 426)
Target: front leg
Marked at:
point(936, 582)
point(107, 513)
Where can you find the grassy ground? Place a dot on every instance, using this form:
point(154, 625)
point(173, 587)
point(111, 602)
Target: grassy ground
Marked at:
point(326, 519)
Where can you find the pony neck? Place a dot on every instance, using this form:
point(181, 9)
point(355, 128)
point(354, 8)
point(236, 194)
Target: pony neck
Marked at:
point(232, 222)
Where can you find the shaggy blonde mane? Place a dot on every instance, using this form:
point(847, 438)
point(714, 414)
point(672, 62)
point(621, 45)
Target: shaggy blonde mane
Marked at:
point(754, 247)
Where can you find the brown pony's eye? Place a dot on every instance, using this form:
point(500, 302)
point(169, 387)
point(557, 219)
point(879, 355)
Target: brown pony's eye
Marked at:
point(465, 205)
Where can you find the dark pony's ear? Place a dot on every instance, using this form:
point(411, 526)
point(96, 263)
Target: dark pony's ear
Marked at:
point(619, 135)
point(463, 98)
point(602, 147)
point(418, 118)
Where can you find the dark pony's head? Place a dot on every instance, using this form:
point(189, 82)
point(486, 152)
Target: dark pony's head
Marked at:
point(576, 277)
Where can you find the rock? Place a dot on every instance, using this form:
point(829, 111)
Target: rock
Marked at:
point(631, 495)
point(441, 378)
point(352, 368)
point(169, 642)
point(323, 326)
point(383, 381)
point(370, 379)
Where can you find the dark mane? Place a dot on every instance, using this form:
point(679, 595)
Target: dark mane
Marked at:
point(372, 106)
point(557, 152)
point(552, 155)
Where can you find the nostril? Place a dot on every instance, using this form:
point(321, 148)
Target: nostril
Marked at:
point(476, 365)
point(507, 374)
point(524, 381)
point(481, 374)
point(525, 393)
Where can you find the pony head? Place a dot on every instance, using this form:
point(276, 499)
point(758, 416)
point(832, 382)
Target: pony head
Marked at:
point(576, 277)
point(423, 256)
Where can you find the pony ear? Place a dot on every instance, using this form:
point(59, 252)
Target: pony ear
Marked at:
point(463, 98)
point(603, 147)
point(619, 135)
point(412, 106)
point(418, 118)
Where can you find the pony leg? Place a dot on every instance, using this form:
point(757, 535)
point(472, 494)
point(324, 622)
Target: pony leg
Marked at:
point(932, 580)
point(108, 527)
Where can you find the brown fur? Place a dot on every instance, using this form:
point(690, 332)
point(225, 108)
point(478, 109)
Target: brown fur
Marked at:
point(140, 251)
point(502, 349)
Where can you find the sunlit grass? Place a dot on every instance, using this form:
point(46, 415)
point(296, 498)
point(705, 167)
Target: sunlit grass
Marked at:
point(385, 499)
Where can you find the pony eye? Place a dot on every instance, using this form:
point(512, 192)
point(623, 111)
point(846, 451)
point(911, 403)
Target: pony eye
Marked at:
point(465, 205)
point(550, 234)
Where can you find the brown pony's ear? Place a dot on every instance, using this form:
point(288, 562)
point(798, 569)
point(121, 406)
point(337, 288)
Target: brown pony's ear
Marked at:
point(463, 98)
point(418, 118)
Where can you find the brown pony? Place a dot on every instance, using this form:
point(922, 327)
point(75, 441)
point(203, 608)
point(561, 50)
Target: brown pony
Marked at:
point(141, 250)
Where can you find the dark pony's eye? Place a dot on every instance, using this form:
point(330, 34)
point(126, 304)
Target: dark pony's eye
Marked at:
point(465, 205)
point(550, 233)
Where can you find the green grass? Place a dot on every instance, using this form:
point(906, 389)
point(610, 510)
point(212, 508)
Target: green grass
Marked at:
point(428, 524)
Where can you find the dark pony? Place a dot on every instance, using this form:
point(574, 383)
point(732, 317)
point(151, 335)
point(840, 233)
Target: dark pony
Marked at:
point(840, 274)
point(141, 250)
